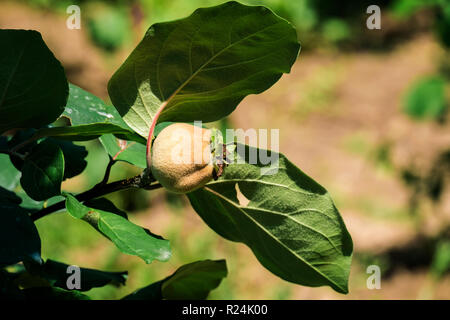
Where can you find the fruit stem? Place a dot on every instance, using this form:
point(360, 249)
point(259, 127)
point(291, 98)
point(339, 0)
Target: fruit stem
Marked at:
point(150, 134)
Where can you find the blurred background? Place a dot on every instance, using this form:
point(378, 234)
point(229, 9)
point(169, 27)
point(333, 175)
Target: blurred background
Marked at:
point(363, 112)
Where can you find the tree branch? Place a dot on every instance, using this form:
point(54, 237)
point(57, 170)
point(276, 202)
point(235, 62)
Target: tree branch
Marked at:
point(143, 181)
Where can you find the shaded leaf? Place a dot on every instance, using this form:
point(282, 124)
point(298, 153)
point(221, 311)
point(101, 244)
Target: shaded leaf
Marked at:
point(33, 86)
point(203, 65)
point(74, 157)
point(286, 218)
point(56, 273)
point(8, 288)
point(8, 197)
point(192, 281)
point(43, 171)
point(128, 237)
point(19, 237)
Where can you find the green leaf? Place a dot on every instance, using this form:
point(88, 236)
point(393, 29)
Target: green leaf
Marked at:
point(90, 118)
point(426, 99)
point(128, 237)
point(192, 281)
point(33, 86)
point(9, 175)
point(203, 65)
point(56, 273)
point(73, 157)
point(129, 151)
point(51, 293)
point(105, 205)
point(19, 237)
point(286, 218)
point(87, 132)
point(43, 171)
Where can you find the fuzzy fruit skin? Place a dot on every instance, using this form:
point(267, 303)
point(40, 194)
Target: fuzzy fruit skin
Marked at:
point(173, 162)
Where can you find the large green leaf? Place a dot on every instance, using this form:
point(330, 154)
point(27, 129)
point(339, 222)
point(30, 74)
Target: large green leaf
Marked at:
point(203, 65)
point(43, 171)
point(128, 237)
point(33, 86)
point(19, 238)
point(192, 281)
point(286, 218)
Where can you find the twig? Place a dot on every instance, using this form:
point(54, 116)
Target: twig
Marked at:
point(107, 173)
point(143, 180)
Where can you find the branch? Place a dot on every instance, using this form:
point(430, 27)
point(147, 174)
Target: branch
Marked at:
point(107, 173)
point(143, 181)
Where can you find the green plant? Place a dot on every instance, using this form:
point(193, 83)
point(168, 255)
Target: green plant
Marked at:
point(197, 68)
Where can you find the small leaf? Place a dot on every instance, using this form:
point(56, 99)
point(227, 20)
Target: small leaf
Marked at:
point(19, 237)
point(128, 237)
point(203, 65)
point(33, 86)
point(43, 171)
point(129, 151)
point(192, 281)
point(286, 218)
point(74, 157)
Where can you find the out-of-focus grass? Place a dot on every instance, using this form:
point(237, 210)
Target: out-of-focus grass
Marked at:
point(319, 91)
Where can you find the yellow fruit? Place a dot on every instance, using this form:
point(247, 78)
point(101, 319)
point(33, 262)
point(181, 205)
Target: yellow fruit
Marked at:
point(181, 157)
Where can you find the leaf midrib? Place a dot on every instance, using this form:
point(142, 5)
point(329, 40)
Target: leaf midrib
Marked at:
point(193, 75)
point(281, 243)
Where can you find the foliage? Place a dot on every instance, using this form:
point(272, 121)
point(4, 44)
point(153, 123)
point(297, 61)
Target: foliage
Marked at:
point(196, 68)
point(427, 99)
